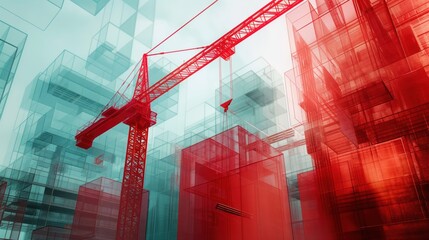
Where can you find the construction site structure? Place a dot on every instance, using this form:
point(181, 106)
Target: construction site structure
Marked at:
point(360, 81)
point(137, 113)
point(336, 148)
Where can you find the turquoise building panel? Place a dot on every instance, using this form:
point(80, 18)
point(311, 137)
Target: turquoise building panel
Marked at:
point(12, 42)
point(91, 6)
point(110, 53)
point(30, 15)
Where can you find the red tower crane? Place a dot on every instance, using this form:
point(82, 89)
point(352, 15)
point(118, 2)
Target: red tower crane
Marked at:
point(138, 115)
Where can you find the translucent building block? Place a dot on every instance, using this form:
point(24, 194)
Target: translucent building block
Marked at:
point(231, 187)
point(361, 83)
point(3, 186)
point(12, 42)
point(39, 13)
point(165, 106)
point(49, 232)
point(63, 90)
point(110, 52)
point(16, 201)
point(62, 98)
point(7, 57)
point(91, 6)
point(66, 78)
point(161, 179)
point(136, 19)
point(114, 46)
point(96, 210)
point(256, 96)
point(145, 22)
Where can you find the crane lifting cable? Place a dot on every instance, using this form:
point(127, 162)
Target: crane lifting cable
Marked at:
point(181, 27)
point(225, 104)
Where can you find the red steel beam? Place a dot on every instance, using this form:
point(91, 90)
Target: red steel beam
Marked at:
point(129, 114)
point(135, 162)
point(132, 184)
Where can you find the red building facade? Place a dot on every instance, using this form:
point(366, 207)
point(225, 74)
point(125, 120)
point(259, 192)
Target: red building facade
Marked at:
point(361, 71)
point(233, 187)
point(96, 213)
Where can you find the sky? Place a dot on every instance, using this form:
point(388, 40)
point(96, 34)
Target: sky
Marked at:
point(73, 28)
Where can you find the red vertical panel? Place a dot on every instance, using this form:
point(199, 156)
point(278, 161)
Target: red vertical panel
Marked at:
point(375, 195)
point(85, 216)
point(96, 211)
point(233, 186)
point(314, 220)
point(3, 187)
point(143, 215)
point(21, 205)
point(363, 69)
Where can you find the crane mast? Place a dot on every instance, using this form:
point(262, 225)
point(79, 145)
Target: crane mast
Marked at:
point(137, 113)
